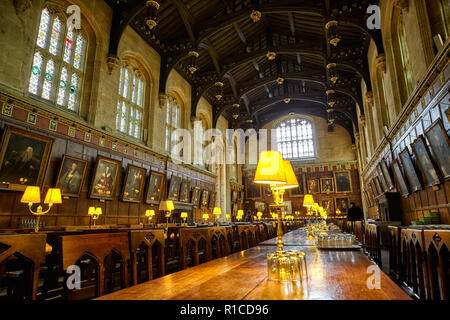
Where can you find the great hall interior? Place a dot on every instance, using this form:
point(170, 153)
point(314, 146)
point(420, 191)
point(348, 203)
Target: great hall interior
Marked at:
point(224, 150)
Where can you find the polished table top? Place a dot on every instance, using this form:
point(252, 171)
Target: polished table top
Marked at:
point(333, 275)
point(293, 238)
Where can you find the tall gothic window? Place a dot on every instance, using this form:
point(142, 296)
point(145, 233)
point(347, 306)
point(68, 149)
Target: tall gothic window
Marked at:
point(439, 17)
point(130, 105)
point(58, 63)
point(295, 139)
point(173, 122)
point(199, 132)
point(404, 54)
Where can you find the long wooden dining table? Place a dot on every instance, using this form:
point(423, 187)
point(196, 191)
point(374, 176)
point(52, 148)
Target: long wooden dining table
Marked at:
point(332, 275)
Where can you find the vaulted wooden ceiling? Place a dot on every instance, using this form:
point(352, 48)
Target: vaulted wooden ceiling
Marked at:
point(232, 49)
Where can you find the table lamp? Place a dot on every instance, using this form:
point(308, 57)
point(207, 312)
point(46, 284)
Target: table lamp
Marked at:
point(184, 215)
point(150, 214)
point(217, 212)
point(308, 202)
point(206, 217)
point(32, 195)
point(238, 217)
point(338, 212)
point(259, 215)
point(240, 212)
point(167, 206)
point(228, 216)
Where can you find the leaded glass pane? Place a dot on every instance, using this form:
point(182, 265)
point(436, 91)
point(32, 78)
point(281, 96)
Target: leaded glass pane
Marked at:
point(78, 52)
point(295, 139)
point(54, 39)
point(48, 80)
point(62, 87)
point(73, 92)
point(35, 73)
point(125, 84)
point(43, 29)
point(68, 46)
point(133, 89)
point(123, 121)
point(118, 115)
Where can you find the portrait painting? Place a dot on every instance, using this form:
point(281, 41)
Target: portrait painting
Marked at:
point(382, 180)
point(105, 178)
point(387, 175)
point(300, 190)
point(71, 176)
point(343, 181)
point(133, 185)
point(327, 204)
point(154, 188)
point(426, 164)
point(371, 189)
point(267, 190)
point(195, 197)
point(253, 189)
point(376, 183)
point(327, 185)
point(260, 206)
point(23, 158)
point(313, 186)
point(410, 171)
point(174, 188)
point(212, 200)
point(398, 173)
point(440, 145)
point(185, 190)
point(342, 204)
point(204, 199)
point(288, 207)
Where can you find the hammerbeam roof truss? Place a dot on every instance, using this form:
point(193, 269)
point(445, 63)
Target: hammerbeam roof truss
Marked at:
point(232, 49)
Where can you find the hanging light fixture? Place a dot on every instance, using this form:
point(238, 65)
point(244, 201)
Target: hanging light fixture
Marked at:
point(333, 36)
point(219, 90)
point(331, 100)
point(332, 72)
point(255, 15)
point(287, 100)
point(193, 56)
point(271, 55)
point(235, 113)
point(153, 8)
point(280, 80)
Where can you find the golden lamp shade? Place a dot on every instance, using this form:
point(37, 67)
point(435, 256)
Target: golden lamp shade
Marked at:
point(291, 179)
point(308, 201)
point(166, 206)
point(240, 212)
point(184, 215)
point(217, 211)
point(205, 216)
point(270, 169)
point(91, 211)
point(98, 211)
point(259, 214)
point(31, 195)
point(53, 196)
point(228, 216)
point(149, 213)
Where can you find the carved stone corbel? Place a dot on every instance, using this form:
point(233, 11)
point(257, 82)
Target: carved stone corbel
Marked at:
point(369, 98)
point(362, 120)
point(381, 62)
point(402, 4)
point(163, 98)
point(113, 62)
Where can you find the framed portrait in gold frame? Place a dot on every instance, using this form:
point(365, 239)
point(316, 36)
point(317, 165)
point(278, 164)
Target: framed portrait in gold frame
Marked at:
point(71, 176)
point(24, 158)
point(155, 187)
point(133, 184)
point(343, 181)
point(105, 178)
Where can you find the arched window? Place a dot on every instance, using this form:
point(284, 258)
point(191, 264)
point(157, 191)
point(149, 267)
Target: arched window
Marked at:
point(438, 15)
point(58, 63)
point(130, 105)
point(200, 126)
point(173, 122)
point(295, 139)
point(404, 55)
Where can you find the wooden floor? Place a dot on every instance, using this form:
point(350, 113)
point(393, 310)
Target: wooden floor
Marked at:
point(333, 275)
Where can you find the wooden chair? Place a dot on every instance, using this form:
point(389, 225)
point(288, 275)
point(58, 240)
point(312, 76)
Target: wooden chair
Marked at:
point(193, 246)
point(437, 246)
point(147, 254)
point(372, 242)
point(172, 251)
point(218, 246)
point(247, 237)
point(230, 238)
point(21, 257)
point(414, 262)
point(103, 259)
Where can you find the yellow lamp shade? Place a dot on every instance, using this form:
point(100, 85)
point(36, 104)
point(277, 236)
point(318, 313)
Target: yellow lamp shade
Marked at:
point(217, 211)
point(291, 179)
point(270, 169)
point(149, 213)
point(308, 201)
point(321, 210)
point(259, 214)
point(240, 212)
point(91, 211)
point(166, 206)
point(338, 211)
point(184, 215)
point(98, 211)
point(31, 195)
point(170, 206)
point(239, 218)
point(53, 196)
point(227, 216)
point(205, 216)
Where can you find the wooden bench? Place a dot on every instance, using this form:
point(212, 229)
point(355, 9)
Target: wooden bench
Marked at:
point(21, 256)
point(371, 240)
point(193, 246)
point(247, 236)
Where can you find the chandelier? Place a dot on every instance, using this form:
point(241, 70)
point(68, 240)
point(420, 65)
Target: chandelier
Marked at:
point(193, 56)
point(235, 113)
point(333, 36)
point(280, 80)
point(331, 100)
point(255, 15)
point(271, 55)
point(219, 90)
point(153, 8)
point(287, 100)
point(334, 77)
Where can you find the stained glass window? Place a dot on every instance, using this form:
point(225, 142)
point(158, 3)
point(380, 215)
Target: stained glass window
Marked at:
point(130, 104)
point(173, 122)
point(295, 139)
point(58, 63)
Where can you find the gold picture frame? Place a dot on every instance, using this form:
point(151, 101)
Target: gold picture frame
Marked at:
point(102, 186)
point(343, 181)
